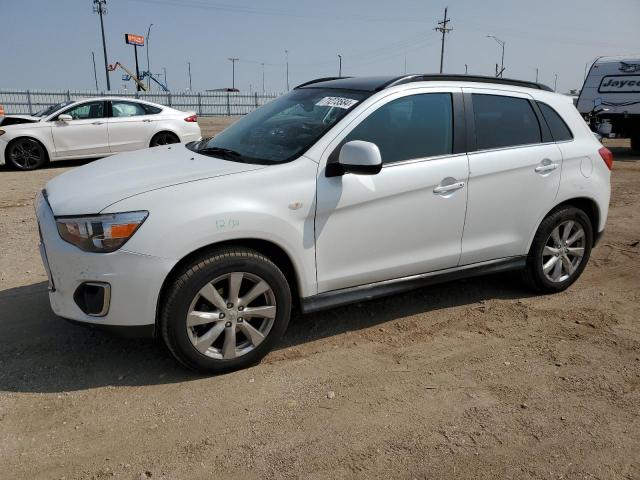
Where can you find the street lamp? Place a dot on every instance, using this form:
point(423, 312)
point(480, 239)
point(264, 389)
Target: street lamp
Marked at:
point(148, 67)
point(502, 44)
point(189, 63)
point(340, 67)
point(286, 52)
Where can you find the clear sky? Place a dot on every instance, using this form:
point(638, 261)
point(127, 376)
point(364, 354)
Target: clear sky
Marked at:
point(48, 43)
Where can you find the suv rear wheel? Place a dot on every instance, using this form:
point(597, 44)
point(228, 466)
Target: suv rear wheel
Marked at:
point(225, 311)
point(560, 250)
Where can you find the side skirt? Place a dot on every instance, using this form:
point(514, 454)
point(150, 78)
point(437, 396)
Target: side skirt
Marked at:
point(345, 296)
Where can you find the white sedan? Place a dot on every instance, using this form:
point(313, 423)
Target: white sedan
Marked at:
point(91, 128)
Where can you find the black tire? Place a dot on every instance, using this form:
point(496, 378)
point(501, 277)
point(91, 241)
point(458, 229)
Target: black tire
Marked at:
point(184, 289)
point(163, 138)
point(534, 274)
point(26, 154)
point(635, 141)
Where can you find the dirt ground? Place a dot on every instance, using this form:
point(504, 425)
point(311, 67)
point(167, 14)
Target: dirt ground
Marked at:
point(471, 379)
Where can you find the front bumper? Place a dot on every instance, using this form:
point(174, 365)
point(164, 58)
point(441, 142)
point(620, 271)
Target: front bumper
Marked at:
point(3, 147)
point(135, 280)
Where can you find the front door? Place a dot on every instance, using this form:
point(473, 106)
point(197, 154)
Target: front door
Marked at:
point(85, 134)
point(401, 221)
point(514, 179)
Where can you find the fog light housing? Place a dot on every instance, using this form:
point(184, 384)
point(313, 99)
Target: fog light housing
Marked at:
point(93, 298)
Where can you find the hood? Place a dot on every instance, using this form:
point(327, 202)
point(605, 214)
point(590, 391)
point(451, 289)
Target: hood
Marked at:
point(17, 119)
point(93, 187)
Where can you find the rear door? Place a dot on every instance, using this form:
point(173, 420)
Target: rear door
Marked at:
point(514, 174)
point(85, 134)
point(130, 126)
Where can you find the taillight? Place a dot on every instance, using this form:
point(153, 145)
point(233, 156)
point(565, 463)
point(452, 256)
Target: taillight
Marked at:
point(607, 156)
point(192, 118)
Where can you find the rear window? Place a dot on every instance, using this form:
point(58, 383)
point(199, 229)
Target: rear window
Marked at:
point(559, 129)
point(502, 121)
point(150, 109)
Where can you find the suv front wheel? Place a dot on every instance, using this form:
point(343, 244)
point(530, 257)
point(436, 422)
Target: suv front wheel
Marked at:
point(225, 311)
point(560, 250)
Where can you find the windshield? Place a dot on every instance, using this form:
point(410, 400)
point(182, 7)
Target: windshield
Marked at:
point(283, 129)
point(49, 110)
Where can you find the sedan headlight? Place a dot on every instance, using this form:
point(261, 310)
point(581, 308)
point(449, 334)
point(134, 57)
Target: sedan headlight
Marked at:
point(100, 233)
point(2, 132)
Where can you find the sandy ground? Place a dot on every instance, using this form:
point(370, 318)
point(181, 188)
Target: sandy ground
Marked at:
point(472, 379)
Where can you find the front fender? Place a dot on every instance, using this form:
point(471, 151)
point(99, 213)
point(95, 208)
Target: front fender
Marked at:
point(276, 204)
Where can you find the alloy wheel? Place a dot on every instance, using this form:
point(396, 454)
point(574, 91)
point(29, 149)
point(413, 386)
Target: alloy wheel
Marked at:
point(563, 251)
point(26, 154)
point(231, 315)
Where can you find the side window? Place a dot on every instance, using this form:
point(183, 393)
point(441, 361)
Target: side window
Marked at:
point(416, 126)
point(504, 121)
point(126, 109)
point(86, 111)
point(150, 109)
point(559, 129)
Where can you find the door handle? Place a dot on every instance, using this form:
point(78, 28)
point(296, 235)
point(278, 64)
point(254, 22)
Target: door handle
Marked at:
point(448, 188)
point(147, 120)
point(97, 123)
point(546, 166)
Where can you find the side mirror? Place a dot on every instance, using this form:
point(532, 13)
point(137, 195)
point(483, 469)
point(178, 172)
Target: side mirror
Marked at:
point(358, 157)
point(63, 117)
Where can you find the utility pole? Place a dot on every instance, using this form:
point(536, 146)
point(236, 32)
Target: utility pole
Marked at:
point(442, 27)
point(262, 77)
point(233, 72)
point(286, 52)
point(502, 44)
point(189, 64)
point(100, 7)
point(164, 70)
point(148, 67)
point(95, 74)
point(536, 74)
point(555, 84)
point(466, 69)
point(340, 65)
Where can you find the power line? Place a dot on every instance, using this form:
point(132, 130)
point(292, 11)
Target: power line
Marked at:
point(442, 27)
point(100, 7)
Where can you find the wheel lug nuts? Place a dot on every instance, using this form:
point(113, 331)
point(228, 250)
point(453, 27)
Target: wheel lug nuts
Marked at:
point(229, 305)
point(240, 319)
point(228, 324)
point(240, 309)
point(221, 316)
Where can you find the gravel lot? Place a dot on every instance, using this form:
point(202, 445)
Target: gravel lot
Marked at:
point(472, 379)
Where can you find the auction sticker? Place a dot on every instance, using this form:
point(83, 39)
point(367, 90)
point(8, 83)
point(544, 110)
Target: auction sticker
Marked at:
point(339, 102)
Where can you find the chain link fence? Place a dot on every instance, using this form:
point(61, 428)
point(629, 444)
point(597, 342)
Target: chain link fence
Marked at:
point(207, 103)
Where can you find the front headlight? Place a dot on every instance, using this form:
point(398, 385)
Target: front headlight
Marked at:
point(100, 233)
point(2, 132)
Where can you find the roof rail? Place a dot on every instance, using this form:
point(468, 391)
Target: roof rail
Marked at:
point(465, 78)
point(318, 80)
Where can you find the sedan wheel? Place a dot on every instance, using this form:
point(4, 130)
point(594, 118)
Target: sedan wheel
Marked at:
point(26, 154)
point(231, 315)
point(164, 138)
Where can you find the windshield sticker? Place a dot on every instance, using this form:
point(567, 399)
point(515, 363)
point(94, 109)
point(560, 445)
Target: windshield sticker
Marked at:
point(339, 102)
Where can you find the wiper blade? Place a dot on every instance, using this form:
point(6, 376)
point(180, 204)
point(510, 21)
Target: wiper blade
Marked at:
point(223, 152)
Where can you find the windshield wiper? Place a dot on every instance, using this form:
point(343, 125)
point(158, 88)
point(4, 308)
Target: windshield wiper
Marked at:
point(222, 152)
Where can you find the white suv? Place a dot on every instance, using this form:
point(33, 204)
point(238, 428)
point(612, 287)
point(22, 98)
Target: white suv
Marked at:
point(340, 191)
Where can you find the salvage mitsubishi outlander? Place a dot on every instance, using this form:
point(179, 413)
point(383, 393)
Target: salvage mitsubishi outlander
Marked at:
point(343, 190)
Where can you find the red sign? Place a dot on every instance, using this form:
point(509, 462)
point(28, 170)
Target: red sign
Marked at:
point(133, 39)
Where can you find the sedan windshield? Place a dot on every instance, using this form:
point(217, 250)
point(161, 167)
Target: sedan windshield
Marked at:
point(49, 110)
point(283, 129)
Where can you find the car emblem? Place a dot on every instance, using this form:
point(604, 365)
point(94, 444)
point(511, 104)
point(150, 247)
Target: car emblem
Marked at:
point(629, 67)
